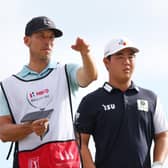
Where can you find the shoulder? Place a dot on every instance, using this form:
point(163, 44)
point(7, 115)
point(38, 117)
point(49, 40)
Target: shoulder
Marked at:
point(72, 76)
point(72, 67)
point(90, 101)
point(147, 93)
point(93, 96)
point(7, 80)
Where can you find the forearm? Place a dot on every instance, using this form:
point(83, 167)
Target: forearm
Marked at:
point(87, 158)
point(88, 72)
point(161, 147)
point(14, 132)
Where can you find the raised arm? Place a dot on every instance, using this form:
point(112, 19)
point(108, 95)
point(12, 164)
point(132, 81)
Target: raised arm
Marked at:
point(88, 72)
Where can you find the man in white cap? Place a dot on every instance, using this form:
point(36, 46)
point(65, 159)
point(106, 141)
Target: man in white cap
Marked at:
point(35, 104)
point(123, 118)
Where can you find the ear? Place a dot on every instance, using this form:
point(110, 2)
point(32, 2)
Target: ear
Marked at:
point(26, 40)
point(106, 62)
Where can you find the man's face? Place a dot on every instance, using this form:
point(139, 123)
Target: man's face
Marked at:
point(40, 43)
point(121, 65)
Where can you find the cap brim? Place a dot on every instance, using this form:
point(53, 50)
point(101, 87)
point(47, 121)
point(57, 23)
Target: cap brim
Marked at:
point(57, 32)
point(114, 52)
point(133, 48)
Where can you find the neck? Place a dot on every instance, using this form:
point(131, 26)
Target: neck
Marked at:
point(38, 67)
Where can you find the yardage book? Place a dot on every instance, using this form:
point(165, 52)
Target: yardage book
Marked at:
point(36, 115)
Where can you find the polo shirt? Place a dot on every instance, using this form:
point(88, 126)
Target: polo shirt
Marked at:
point(28, 74)
point(123, 125)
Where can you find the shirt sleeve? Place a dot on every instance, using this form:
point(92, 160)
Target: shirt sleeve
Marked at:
point(4, 110)
point(160, 119)
point(72, 74)
point(85, 117)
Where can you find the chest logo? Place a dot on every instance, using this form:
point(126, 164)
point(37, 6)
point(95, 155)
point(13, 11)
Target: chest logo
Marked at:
point(142, 105)
point(39, 98)
point(109, 107)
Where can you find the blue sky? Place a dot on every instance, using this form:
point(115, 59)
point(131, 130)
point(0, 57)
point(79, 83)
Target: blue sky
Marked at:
point(144, 22)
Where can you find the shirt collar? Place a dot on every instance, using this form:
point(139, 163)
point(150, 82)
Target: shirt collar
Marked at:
point(109, 88)
point(27, 71)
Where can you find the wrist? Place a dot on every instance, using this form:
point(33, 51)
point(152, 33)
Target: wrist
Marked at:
point(157, 164)
point(27, 127)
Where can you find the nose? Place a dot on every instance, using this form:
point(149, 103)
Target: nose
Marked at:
point(127, 60)
point(48, 41)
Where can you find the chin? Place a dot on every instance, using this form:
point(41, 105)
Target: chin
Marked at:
point(46, 56)
point(126, 79)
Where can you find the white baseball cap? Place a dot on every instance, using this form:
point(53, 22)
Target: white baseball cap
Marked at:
point(118, 44)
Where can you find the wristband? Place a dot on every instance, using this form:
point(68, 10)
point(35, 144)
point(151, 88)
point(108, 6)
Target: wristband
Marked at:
point(157, 164)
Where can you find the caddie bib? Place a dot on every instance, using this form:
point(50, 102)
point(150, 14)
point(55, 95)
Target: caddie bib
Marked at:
point(58, 148)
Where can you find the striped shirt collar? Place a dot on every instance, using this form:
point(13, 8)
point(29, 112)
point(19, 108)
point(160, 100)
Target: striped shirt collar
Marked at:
point(108, 87)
